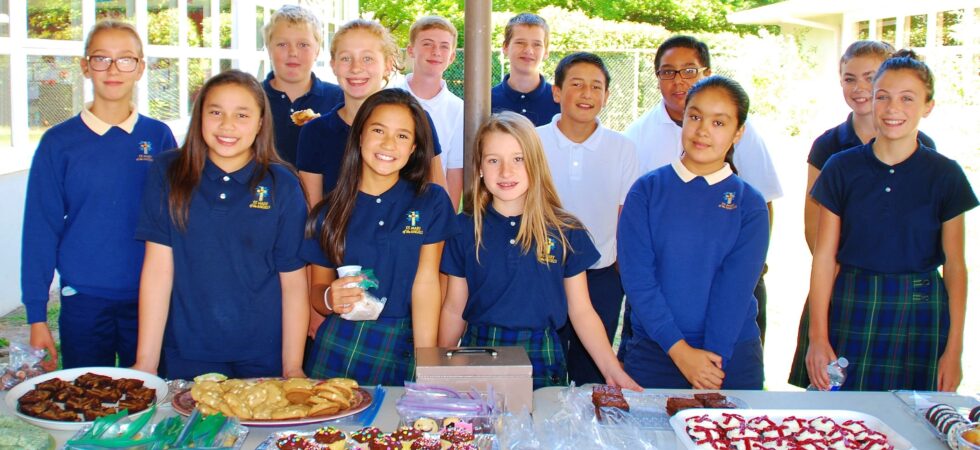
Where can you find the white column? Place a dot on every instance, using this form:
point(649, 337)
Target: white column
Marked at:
point(143, 85)
point(18, 78)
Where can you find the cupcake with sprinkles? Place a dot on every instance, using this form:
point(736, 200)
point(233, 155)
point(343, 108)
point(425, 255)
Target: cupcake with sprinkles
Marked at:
point(291, 442)
point(362, 438)
point(407, 436)
point(331, 437)
point(385, 443)
point(452, 436)
point(426, 443)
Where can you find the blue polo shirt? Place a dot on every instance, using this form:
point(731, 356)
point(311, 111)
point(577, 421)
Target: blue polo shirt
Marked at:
point(508, 287)
point(322, 142)
point(83, 200)
point(226, 303)
point(892, 216)
point(843, 137)
point(385, 233)
point(538, 105)
point(691, 250)
point(321, 98)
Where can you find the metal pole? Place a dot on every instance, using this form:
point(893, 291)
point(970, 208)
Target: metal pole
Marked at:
point(476, 89)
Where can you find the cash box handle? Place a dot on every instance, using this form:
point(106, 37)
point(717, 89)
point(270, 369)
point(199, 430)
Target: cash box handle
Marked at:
point(470, 351)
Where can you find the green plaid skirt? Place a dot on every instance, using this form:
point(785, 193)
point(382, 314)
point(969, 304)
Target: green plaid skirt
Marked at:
point(543, 349)
point(892, 328)
point(370, 351)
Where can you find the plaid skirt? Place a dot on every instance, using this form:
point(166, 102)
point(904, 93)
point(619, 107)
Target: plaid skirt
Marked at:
point(370, 351)
point(543, 349)
point(892, 328)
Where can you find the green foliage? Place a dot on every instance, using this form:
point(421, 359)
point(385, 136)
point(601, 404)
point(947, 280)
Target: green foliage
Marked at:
point(398, 15)
point(55, 21)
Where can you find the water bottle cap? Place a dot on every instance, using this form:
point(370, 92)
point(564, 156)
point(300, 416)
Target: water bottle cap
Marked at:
point(842, 361)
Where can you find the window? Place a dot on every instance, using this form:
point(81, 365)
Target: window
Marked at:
point(4, 18)
point(5, 138)
point(950, 26)
point(54, 19)
point(200, 21)
point(916, 28)
point(162, 22)
point(226, 21)
point(260, 21)
point(886, 30)
point(198, 70)
point(115, 9)
point(164, 85)
point(863, 28)
point(51, 94)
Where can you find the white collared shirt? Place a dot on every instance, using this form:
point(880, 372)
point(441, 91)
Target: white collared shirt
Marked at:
point(658, 143)
point(99, 127)
point(712, 178)
point(592, 179)
point(446, 110)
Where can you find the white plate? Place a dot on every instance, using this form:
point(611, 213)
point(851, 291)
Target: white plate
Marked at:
point(679, 424)
point(150, 381)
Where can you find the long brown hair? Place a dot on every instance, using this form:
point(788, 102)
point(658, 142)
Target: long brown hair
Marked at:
point(543, 215)
point(340, 202)
point(185, 173)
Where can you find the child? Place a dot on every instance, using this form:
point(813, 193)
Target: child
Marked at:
point(83, 197)
point(524, 90)
point(693, 239)
point(223, 289)
point(516, 270)
point(432, 47)
point(593, 169)
point(384, 215)
point(293, 37)
point(681, 61)
point(362, 55)
point(858, 66)
point(891, 212)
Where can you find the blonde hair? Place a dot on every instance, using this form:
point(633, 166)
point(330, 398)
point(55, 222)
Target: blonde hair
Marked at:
point(388, 46)
point(294, 15)
point(112, 24)
point(543, 215)
point(429, 23)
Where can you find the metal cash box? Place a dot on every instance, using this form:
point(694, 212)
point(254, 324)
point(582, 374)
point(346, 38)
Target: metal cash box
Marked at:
point(508, 369)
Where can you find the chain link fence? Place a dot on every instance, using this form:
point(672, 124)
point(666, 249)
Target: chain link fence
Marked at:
point(52, 97)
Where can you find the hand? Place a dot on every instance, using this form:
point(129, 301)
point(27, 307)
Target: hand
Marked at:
point(41, 338)
point(143, 366)
point(619, 378)
point(294, 372)
point(950, 372)
point(700, 367)
point(818, 356)
point(342, 298)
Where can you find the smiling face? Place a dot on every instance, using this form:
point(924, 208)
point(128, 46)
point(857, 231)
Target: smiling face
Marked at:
point(231, 120)
point(112, 85)
point(387, 141)
point(359, 63)
point(526, 49)
point(675, 91)
point(582, 94)
point(503, 171)
point(432, 52)
point(293, 49)
point(899, 103)
point(856, 76)
point(710, 129)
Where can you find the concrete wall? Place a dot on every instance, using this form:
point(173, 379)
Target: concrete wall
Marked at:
point(13, 188)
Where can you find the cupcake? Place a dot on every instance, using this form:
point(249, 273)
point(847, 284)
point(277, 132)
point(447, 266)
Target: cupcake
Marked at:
point(425, 443)
point(291, 442)
point(384, 443)
point(467, 446)
point(363, 437)
point(407, 436)
point(451, 436)
point(333, 438)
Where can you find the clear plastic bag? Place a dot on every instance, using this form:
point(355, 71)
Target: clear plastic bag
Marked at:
point(214, 432)
point(439, 403)
point(25, 362)
point(369, 308)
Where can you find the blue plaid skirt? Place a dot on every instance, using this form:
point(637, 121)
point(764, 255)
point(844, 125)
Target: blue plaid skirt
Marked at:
point(892, 328)
point(543, 349)
point(370, 351)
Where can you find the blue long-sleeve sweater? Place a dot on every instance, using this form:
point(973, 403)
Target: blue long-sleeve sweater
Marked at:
point(690, 255)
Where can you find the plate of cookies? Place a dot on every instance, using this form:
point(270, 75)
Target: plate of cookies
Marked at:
point(71, 398)
point(275, 402)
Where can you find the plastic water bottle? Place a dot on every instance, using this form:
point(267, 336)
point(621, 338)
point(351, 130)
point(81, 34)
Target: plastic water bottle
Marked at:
point(837, 371)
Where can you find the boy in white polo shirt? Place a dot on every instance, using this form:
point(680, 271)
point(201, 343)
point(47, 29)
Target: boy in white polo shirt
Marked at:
point(593, 168)
point(432, 48)
point(680, 62)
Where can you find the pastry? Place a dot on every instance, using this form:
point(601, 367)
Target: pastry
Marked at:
point(605, 396)
point(384, 443)
point(452, 436)
point(407, 436)
point(426, 443)
point(300, 118)
point(291, 442)
point(675, 404)
point(333, 438)
point(363, 437)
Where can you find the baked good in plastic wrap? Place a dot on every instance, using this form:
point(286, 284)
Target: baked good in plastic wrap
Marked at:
point(215, 432)
point(370, 307)
point(25, 362)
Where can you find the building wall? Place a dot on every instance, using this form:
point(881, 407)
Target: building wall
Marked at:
point(13, 187)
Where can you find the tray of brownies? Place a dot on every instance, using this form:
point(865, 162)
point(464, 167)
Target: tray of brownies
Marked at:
point(652, 410)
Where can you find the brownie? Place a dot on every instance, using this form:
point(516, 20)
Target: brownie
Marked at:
point(35, 396)
point(675, 404)
point(142, 394)
point(53, 385)
point(106, 395)
point(709, 396)
point(69, 391)
point(604, 396)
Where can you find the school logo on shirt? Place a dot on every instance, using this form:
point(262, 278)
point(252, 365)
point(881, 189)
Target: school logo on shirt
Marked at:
point(728, 201)
point(259, 201)
point(414, 219)
point(550, 257)
point(145, 147)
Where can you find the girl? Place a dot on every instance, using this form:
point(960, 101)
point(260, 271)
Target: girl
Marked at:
point(383, 215)
point(83, 197)
point(693, 241)
point(223, 289)
point(363, 55)
point(518, 245)
point(891, 212)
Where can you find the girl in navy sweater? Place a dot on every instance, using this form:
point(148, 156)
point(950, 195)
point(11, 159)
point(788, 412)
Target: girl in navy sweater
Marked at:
point(692, 241)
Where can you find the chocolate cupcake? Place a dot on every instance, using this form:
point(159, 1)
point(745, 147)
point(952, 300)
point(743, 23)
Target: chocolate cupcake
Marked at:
point(407, 436)
point(333, 438)
point(385, 443)
point(425, 443)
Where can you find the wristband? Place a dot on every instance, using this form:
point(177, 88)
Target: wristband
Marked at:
point(326, 299)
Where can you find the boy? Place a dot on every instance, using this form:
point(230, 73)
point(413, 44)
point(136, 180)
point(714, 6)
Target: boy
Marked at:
point(432, 48)
point(293, 37)
point(593, 168)
point(524, 90)
point(680, 62)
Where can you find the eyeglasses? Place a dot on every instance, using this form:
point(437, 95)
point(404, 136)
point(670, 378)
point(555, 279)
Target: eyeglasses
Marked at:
point(669, 74)
point(102, 63)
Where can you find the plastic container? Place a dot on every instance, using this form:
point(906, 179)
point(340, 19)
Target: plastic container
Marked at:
point(963, 442)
